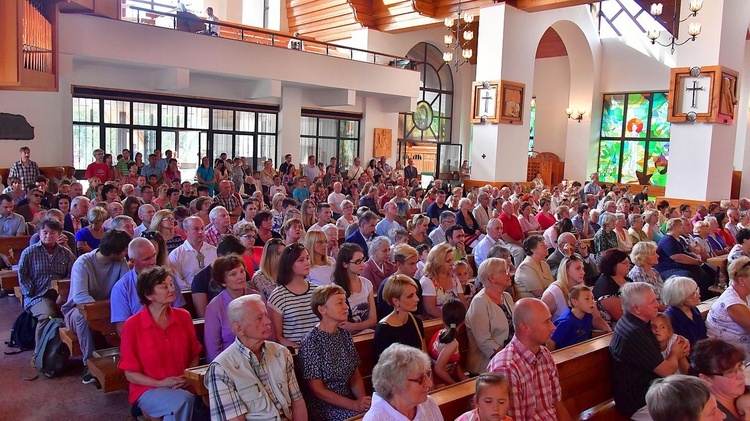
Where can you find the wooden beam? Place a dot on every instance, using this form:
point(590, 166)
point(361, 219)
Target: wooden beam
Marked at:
point(541, 5)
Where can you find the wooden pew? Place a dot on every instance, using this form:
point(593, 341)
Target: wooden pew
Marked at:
point(11, 248)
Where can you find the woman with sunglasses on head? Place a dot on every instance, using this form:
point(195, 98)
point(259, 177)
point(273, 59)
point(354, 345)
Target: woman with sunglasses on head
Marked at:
point(402, 380)
point(328, 360)
point(155, 237)
point(163, 222)
point(289, 304)
point(359, 291)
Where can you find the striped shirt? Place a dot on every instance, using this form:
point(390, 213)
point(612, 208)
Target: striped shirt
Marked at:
point(38, 268)
point(27, 173)
point(295, 310)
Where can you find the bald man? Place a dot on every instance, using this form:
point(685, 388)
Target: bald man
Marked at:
point(567, 245)
point(124, 301)
point(527, 364)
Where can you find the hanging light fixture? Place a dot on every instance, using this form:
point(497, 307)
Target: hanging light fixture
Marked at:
point(457, 50)
point(694, 28)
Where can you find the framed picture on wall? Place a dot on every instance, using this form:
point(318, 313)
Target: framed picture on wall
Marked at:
point(485, 102)
point(511, 102)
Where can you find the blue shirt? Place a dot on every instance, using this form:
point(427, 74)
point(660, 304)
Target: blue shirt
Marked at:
point(570, 330)
point(388, 229)
point(301, 193)
point(669, 246)
point(85, 235)
point(12, 225)
point(693, 330)
point(124, 301)
point(148, 170)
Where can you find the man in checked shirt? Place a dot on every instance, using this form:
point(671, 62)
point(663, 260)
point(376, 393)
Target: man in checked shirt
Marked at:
point(253, 376)
point(528, 366)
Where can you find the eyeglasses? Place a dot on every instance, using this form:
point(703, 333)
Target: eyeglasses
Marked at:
point(735, 372)
point(247, 236)
point(423, 378)
point(149, 235)
point(357, 262)
point(37, 195)
point(168, 219)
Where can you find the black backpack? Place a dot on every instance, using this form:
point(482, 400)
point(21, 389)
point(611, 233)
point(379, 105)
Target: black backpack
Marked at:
point(51, 353)
point(22, 333)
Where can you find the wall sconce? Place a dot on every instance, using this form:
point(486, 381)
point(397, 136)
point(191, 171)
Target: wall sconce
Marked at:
point(581, 112)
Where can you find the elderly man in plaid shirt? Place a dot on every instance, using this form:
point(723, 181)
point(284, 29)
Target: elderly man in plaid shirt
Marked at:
point(25, 169)
point(253, 376)
point(527, 364)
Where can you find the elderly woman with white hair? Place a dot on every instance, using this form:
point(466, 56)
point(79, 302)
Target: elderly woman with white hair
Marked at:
point(644, 257)
point(624, 242)
point(605, 238)
point(715, 240)
point(682, 398)
point(682, 296)
point(636, 232)
point(489, 319)
point(402, 380)
point(729, 317)
point(378, 266)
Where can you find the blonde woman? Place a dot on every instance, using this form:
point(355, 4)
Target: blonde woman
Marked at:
point(277, 209)
point(624, 242)
point(87, 238)
point(438, 283)
point(264, 280)
point(321, 265)
point(418, 228)
point(161, 196)
point(572, 273)
point(308, 213)
point(164, 223)
point(348, 217)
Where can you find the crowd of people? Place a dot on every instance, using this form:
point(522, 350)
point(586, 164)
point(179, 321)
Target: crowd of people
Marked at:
point(287, 259)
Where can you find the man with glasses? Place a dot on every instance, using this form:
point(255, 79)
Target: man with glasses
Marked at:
point(33, 206)
point(528, 365)
point(253, 374)
point(11, 223)
point(568, 245)
point(636, 357)
point(124, 301)
point(365, 233)
point(193, 255)
point(98, 168)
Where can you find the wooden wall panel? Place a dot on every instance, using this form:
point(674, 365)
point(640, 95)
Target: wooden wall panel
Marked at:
point(328, 20)
point(551, 45)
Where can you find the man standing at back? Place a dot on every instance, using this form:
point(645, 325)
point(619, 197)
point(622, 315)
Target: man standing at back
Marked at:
point(92, 278)
point(535, 393)
point(25, 169)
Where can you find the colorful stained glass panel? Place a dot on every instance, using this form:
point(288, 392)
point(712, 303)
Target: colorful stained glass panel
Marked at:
point(637, 115)
point(633, 153)
point(609, 160)
point(657, 163)
point(660, 127)
point(612, 115)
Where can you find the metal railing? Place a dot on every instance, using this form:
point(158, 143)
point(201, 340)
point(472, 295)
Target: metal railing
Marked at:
point(188, 22)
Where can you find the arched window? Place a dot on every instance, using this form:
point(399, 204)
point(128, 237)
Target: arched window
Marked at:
point(431, 122)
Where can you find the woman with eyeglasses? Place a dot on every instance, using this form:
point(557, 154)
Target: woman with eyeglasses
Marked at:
point(289, 304)
point(682, 296)
point(247, 233)
point(359, 290)
point(402, 380)
point(321, 266)
point(264, 279)
point(328, 361)
point(729, 317)
point(163, 222)
point(722, 365)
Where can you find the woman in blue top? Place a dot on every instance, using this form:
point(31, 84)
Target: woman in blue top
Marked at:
point(205, 174)
point(682, 296)
point(88, 238)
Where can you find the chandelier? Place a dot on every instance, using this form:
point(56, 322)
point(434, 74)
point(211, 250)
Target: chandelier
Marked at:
point(694, 28)
point(457, 50)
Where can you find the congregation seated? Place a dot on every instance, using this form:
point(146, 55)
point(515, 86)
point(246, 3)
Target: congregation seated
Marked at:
point(438, 282)
point(676, 258)
point(606, 238)
point(418, 227)
point(742, 246)
point(682, 296)
point(92, 278)
point(88, 238)
point(163, 221)
point(365, 231)
point(556, 296)
point(235, 386)
point(406, 258)
point(644, 257)
point(614, 266)
point(65, 239)
point(722, 366)
point(146, 214)
point(551, 234)
point(13, 224)
point(124, 301)
point(321, 264)
point(446, 220)
point(246, 232)
point(637, 359)
point(401, 380)
point(328, 360)
point(378, 266)
point(729, 316)
point(456, 238)
point(576, 324)
point(157, 385)
point(533, 275)
point(715, 239)
point(264, 222)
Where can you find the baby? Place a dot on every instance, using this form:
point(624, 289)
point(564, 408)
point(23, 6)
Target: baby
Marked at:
point(492, 398)
point(463, 272)
point(662, 329)
point(743, 406)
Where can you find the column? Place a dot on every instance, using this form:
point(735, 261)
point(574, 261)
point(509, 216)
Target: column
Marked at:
point(290, 117)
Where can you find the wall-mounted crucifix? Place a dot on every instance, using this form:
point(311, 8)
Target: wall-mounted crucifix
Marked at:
point(694, 90)
point(487, 97)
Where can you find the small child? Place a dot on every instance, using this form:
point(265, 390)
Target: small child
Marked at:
point(463, 272)
point(492, 398)
point(575, 324)
point(443, 347)
point(662, 328)
point(401, 237)
point(423, 251)
point(743, 406)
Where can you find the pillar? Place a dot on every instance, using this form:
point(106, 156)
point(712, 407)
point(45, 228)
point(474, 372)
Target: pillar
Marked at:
point(290, 117)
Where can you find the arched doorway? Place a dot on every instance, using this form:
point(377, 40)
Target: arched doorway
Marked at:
point(425, 135)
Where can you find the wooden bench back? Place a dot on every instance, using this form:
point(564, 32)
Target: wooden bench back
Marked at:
point(12, 247)
point(585, 373)
point(48, 172)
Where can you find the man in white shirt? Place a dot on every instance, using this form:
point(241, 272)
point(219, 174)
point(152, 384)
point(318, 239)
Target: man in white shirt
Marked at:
point(447, 219)
point(323, 214)
point(276, 187)
point(145, 213)
point(311, 171)
point(494, 236)
point(482, 212)
point(114, 210)
point(355, 170)
point(335, 199)
point(193, 255)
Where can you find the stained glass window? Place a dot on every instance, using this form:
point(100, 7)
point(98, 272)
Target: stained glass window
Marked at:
point(532, 125)
point(634, 143)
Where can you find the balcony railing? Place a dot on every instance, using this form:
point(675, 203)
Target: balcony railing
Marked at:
point(188, 22)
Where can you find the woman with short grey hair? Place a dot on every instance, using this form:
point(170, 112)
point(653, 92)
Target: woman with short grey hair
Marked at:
point(682, 296)
point(636, 232)
point(379, 267)
point(606, 238)
point(681, 398)
point(402, 379)
point(644, 258)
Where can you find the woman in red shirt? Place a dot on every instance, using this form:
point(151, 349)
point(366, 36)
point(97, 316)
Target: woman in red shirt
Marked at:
point(158, 344)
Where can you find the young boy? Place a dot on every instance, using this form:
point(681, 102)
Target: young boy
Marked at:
point(575, 324)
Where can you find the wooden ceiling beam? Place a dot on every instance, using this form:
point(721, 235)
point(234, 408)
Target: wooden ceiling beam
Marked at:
point(541, 5)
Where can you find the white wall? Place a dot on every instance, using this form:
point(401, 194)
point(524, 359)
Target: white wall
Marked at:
point(552, 90)
point(626, 69)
